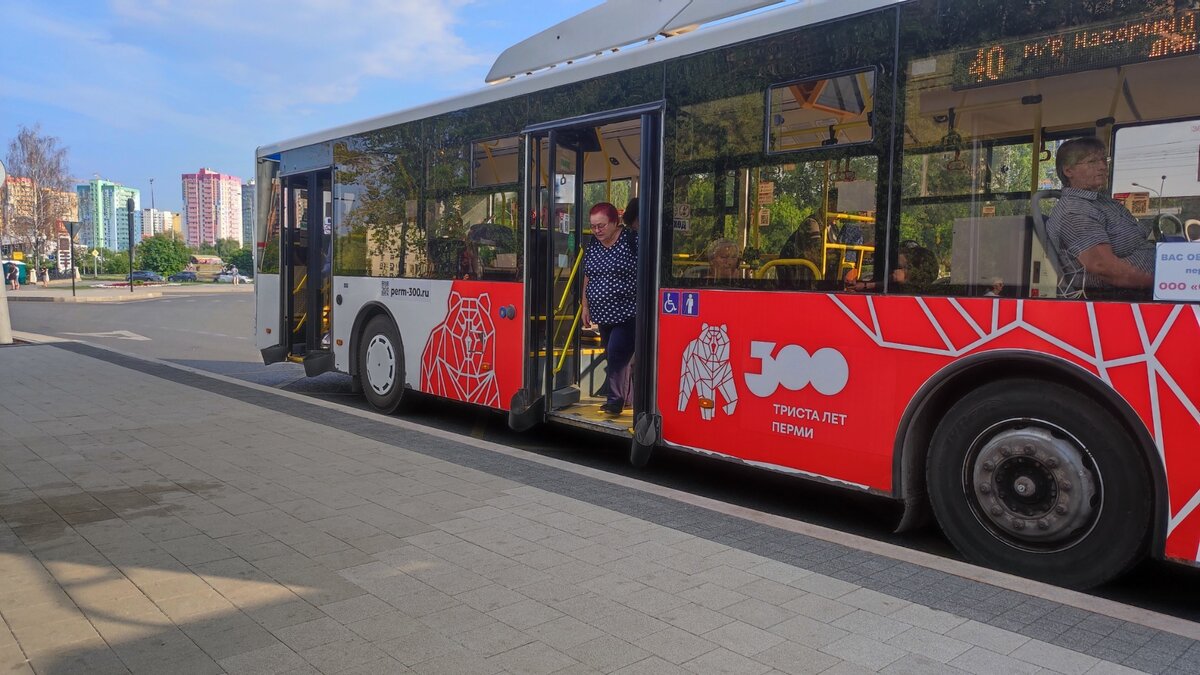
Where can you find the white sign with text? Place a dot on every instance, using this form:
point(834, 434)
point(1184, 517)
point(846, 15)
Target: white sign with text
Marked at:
point(1177, 272)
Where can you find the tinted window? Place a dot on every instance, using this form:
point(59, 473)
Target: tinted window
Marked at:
point(377, 190)
point(820, 113)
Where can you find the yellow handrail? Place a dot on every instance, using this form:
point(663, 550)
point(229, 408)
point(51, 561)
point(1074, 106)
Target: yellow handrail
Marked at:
point(834, 215)
point(574, 325)
point(303, 280)
point(761, 273)
point(570, 280)
point(487, 149)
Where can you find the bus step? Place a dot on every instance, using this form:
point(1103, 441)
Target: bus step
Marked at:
point(274, 354)
point(318, 361)
point(564, 397)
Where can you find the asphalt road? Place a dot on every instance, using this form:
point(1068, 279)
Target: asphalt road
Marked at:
point(215, 333)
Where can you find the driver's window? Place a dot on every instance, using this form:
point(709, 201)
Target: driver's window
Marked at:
point(1156, 173)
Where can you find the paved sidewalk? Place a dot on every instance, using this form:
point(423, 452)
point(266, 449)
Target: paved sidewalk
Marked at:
point(91, 291)
point(162, 521)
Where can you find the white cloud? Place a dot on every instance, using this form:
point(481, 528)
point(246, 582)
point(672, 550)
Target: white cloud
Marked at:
point(298, 53)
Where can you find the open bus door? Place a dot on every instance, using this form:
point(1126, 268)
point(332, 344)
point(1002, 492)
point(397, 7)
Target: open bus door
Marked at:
point(554, 233)
point(571, 166)
point(307, 237)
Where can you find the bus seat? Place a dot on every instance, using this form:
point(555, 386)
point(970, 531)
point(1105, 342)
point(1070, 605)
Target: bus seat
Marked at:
point(1191, 229)
point(1039, 227)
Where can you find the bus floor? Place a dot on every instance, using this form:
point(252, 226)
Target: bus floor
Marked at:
point(586, 413)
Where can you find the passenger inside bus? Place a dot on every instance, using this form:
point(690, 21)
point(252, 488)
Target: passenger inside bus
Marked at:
point(1104, 251)
point(803, 244)
point(916, 272)
point(851, 234)
point(724, 259)
point(630, 215)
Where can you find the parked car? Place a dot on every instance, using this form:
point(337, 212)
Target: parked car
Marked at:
point(182, 276)
point(144, 275)
point(227, 278)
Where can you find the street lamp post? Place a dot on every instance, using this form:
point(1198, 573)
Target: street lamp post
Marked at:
point(71, 225)
point(5, 325)
point(129, 213)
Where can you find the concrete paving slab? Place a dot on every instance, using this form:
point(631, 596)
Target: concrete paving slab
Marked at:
point(393, 548)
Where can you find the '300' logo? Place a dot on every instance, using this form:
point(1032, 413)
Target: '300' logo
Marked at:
point(793, 368)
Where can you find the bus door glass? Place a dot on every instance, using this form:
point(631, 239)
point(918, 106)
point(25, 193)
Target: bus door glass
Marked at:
point(564, 266)
point(308, 225)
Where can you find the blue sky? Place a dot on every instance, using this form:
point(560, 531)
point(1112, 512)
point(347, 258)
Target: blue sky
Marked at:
point(141, 89)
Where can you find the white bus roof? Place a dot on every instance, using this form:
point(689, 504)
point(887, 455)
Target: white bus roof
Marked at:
point(786, 17)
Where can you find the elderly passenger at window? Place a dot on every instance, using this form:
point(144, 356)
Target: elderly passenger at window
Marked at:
point(1102, 248)
point(723, 260)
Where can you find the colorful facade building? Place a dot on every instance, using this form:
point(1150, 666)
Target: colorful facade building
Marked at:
point(249, 213)
point(103, 215)
point(158, 221)
point(212, 207)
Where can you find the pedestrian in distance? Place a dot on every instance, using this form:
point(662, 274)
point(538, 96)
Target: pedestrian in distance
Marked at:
point(11, 275)
point(233, 271)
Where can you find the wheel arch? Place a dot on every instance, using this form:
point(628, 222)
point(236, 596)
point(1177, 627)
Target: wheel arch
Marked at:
point(369, 311)
point(934, 398)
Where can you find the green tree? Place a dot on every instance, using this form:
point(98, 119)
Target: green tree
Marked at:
point(243, 259)
point(162, 254)
point(226, 248)
point(114, 262)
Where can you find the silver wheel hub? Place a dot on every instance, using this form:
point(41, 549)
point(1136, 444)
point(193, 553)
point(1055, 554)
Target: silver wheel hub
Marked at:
point(1034, 487)
point(380, 364)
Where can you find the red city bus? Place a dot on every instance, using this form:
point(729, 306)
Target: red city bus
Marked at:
point(895, 322)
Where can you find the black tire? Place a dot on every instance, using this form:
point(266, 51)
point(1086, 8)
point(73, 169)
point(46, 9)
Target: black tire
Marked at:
point(1034, 478)
point(381, 364)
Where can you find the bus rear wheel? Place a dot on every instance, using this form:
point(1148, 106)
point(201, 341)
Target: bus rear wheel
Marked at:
point(1033, 478)
point(381, 364)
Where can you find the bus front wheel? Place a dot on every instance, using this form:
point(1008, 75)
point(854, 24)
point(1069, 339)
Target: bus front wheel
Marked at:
point(1034, 478)
point(381, 364)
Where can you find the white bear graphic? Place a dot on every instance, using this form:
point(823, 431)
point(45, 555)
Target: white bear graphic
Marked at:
point(706, 370)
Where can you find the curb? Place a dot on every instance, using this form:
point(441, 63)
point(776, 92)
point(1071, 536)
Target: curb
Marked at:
point(76, 299)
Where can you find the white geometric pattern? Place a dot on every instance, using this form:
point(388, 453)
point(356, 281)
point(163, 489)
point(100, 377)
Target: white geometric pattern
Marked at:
point(460, 354)
point(984, 335)
point(706, 371)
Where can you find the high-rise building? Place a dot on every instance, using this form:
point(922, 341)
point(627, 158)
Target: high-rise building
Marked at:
point(157, 221)
point(103, 218)
point(17, 214)
point(212, 207)
point(249, 213)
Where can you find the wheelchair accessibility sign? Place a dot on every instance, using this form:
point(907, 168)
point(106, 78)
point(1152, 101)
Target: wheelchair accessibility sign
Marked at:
point(676, 303)
point(670, 302)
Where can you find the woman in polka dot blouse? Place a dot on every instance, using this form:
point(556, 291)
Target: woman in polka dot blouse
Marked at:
point(610, 297)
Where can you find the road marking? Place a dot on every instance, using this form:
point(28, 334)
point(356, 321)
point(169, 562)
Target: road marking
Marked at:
point(117, 334)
